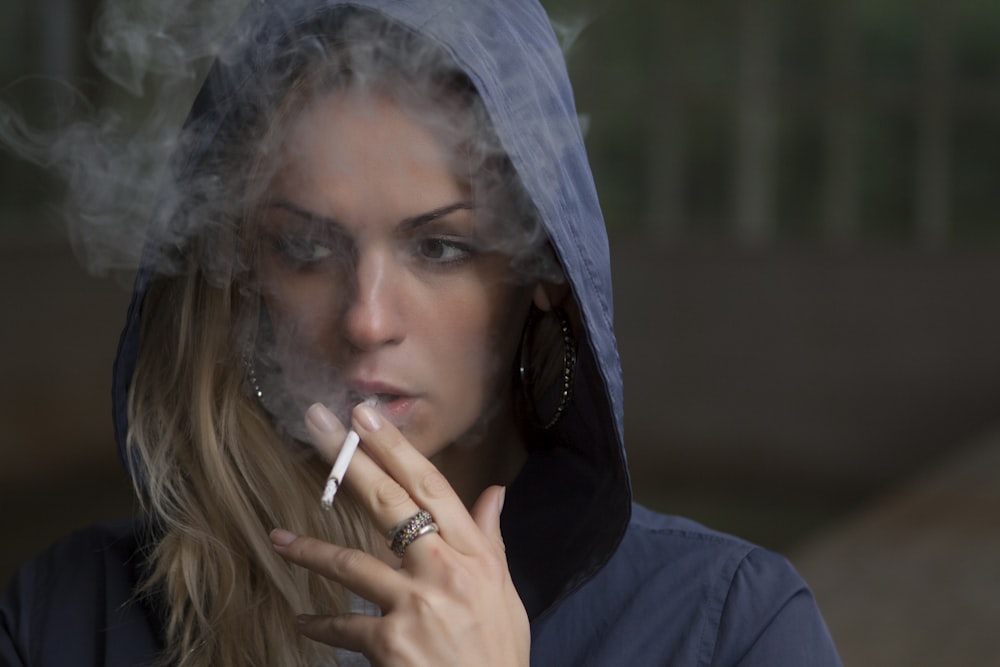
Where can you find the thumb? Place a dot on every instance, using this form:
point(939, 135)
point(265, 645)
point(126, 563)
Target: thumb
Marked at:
point(486, 513)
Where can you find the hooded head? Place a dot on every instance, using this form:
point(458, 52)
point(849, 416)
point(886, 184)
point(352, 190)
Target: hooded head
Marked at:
point(241, 265)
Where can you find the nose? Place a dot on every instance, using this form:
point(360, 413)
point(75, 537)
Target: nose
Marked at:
point(373, 315)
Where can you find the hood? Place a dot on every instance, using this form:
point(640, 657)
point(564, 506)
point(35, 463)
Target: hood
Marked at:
point(567, 511)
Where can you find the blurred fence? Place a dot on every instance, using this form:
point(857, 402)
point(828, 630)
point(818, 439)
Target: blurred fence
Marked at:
point(767, 122)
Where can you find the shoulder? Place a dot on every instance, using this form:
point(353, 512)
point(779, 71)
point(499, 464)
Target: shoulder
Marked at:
point(673, 549)
point(75, 603)
point(95, 542)
point(693, 596)
point(102, 555)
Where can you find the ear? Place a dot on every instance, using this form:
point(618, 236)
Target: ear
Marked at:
point(549, 295)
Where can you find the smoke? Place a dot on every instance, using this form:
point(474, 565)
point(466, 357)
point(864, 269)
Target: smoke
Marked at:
point(114, 158)
point(569, 29)
point(118, 160)
point(143, 187)
point(569, 25)
point(135, 41)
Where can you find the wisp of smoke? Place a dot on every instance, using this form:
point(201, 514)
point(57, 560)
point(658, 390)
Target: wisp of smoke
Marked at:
point(114, 162)
point(142, 184)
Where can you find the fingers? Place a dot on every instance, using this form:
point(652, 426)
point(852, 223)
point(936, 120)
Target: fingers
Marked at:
point(486, 514)
point(362, 573)
point(327, 432)
point(393, 481)
point(384, 498)
point(417, 478)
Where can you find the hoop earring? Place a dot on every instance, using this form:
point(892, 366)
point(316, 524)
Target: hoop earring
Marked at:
point(569, 366)
point(250, 364)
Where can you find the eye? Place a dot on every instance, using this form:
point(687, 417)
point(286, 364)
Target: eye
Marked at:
point(318, 252)
point(300, 252)
point(442, 250)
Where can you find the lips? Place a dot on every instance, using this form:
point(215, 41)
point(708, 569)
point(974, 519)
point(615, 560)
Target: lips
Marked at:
point(393, 401)
point(383, 391)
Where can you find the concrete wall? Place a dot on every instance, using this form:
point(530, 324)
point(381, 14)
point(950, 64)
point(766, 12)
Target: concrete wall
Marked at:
point(912, 579)
point(808, 371)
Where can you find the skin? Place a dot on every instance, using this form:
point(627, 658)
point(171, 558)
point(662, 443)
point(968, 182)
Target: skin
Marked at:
point(390, 282)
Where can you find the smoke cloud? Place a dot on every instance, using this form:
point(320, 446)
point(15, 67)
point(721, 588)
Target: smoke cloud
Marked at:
point(143, 187)
point(114, 160)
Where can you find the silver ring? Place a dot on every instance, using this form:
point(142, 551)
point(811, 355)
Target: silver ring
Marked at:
point(404, 533)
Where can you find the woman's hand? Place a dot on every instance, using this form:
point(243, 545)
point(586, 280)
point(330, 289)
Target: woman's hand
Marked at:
point(452, 602)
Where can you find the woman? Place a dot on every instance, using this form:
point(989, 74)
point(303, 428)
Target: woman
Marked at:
point(385, 222)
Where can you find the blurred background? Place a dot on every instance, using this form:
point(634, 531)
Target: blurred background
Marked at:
point(802, 200)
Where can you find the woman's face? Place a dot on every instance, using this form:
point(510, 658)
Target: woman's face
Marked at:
point(377, 275)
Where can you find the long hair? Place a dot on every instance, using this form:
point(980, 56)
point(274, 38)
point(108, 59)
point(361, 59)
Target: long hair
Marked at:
point(215, 477)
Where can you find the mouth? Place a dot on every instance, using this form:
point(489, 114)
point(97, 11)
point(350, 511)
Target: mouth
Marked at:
point(391, 399)
point(384, 398)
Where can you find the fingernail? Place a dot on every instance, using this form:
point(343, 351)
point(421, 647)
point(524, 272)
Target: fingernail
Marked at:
point(503, 498)
point(282, 538)
point(303, 619)
point(368, 416)
point(321, 418)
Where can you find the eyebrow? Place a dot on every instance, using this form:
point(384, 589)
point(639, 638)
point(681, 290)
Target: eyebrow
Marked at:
point(409, 224)
point(288, 206)
point(406, 224)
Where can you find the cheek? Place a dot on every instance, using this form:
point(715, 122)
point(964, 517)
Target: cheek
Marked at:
point(303, 312)
point(490, 338)
point(509, 313)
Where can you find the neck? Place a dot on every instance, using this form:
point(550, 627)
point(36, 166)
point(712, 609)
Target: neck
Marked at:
point(492, 453)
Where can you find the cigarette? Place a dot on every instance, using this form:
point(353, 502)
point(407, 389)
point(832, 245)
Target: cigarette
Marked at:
point(339, 469)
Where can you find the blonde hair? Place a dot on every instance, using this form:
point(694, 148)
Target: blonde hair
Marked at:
point(215, 478)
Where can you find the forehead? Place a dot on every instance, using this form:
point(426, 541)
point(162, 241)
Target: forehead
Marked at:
point(359, 122)
point(358, 156)
point(362, 124)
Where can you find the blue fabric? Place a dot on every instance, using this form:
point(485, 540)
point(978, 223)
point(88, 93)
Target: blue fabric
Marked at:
point(676, 593)
point(76, 605)
point(605, 583)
